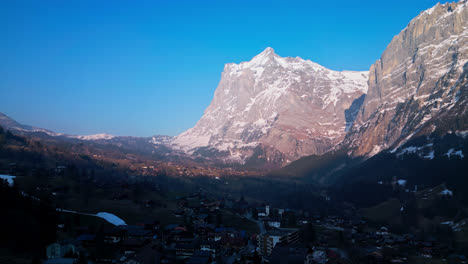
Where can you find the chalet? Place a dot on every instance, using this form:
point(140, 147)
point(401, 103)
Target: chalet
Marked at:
point(209, 246)
point(60, 170)
point(59, 249)
point(275, 223)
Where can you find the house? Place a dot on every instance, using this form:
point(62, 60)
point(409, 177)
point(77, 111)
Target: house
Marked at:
point(272, 222)
point(209, 246)
point(60, 170)
point(59, 249)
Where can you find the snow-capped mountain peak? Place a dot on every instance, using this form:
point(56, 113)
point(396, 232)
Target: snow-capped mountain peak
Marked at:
point(290, 106)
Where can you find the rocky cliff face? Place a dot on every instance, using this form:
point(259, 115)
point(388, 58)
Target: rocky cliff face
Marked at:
point(419, 82)
point(275, 110)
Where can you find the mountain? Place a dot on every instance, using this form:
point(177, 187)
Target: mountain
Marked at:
point(413, 122)
point(10, 124)
point(419, 85)
point(274, 110)
point(157, 146)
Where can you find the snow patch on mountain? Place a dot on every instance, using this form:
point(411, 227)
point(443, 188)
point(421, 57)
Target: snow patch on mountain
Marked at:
point(452, 152)
point(95, 137)
point(414, 150)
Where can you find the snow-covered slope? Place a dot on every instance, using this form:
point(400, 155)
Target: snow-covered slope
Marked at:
point(95, 137)
point(275, 109)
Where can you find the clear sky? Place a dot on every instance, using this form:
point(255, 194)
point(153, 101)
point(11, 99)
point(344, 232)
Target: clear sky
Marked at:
point(151, 67)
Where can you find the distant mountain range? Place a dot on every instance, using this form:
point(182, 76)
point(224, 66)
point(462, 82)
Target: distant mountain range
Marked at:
point(10, 124)
point(276, 110)
point(155, 145)
point(272, 111)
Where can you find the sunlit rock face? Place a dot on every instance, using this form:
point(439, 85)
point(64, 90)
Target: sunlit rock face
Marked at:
point(418, 83)
point(274, 110)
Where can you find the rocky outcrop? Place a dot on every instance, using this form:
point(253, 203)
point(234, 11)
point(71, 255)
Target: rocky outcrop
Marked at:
point(420, 77)
point(274, 110)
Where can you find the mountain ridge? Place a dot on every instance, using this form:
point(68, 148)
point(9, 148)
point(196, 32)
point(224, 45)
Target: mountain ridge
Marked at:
point(420, 77)
point(262, 109)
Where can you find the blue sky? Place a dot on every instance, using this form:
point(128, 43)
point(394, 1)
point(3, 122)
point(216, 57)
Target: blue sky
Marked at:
point(151, 67)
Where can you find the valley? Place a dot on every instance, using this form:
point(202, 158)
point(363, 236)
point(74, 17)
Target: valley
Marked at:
point(291, 162)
